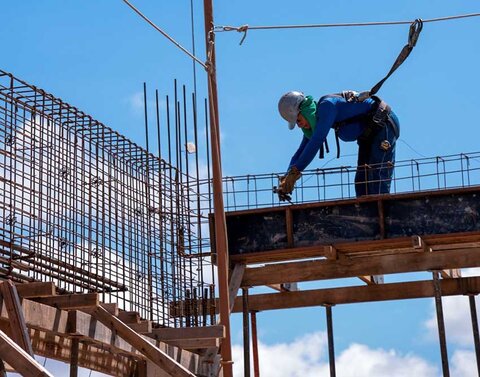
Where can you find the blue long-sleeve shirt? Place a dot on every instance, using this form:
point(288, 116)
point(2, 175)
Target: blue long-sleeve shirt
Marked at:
point(329, 111)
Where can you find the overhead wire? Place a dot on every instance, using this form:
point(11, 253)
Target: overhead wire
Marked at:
point(245, 28)
point(348, 24)
point(204, 65)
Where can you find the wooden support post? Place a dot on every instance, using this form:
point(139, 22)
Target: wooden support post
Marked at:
point(74, 357)
point(153, 353)
point(20, 360)
point(18, 325)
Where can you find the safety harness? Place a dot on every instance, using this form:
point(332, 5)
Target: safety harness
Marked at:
point(376, 118)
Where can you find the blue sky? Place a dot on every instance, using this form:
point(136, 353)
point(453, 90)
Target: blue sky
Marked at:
point(96, 55)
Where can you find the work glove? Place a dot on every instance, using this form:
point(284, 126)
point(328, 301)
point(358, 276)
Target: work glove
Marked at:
point(287, 182)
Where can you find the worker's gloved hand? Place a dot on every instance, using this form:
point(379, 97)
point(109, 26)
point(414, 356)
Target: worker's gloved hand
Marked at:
point(282, 196)
point(287, 182)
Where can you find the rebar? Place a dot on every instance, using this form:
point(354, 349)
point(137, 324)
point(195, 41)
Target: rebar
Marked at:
point(90, 210)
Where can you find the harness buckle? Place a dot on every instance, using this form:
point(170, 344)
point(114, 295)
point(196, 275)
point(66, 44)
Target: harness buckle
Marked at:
point(381, 114)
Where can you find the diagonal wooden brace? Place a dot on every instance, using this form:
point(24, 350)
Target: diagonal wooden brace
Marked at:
point(157, 356)
point(20, 360)
point(18, 326)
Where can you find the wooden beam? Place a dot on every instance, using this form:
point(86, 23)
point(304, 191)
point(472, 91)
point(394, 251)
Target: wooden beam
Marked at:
point(375, 265)
point(52, 320)
point(18, 325)
point(451, 273)
point(153, 353)
point(128, 317)
point(35, 289)
point(71, 302)
point(144, 327)
point(207, 332)
point(194, 344)
point(235, 282)
point(349, 295)
point(386, 246)
point(41, 316)
point(92, 356)
point(20, 360)
point(112, 308)
point(85, 325)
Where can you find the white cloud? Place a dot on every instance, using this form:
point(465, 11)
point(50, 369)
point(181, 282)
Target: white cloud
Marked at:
point(308, 357)
point(456, 313)
point(463, 364)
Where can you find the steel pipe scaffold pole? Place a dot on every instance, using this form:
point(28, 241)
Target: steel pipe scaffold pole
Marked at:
point(441, 323)
point(476, 337)
point(219, 210)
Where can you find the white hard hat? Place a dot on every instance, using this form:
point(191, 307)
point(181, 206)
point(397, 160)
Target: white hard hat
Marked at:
point(289, 107)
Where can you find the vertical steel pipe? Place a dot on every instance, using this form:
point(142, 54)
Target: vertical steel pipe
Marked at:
point(441, 323)
point(221, 245)
point(256, 364)
point(476, 338)
point(331, 348)
point(246, 334)
point(74, 357)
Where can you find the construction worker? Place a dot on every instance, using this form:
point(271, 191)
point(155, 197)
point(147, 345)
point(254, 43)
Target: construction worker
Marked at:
point(369, 121)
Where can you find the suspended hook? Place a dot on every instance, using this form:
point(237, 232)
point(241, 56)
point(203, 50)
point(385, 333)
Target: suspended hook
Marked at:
point(415, 29)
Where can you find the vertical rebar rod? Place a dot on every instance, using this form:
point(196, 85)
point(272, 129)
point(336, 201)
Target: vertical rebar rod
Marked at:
point(246, 334)
point(256, 364)
point(147, 206)
point(331, 347)
point(441, 323)
point(476, 337)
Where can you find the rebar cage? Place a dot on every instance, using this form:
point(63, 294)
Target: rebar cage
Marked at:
point(86, 208)
point(246, 192)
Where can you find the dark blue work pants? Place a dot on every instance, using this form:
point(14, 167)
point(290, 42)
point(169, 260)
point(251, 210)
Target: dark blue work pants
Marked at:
point(376, 162)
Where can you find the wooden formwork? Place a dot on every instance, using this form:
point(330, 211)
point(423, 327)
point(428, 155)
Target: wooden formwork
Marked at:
point(78, 329)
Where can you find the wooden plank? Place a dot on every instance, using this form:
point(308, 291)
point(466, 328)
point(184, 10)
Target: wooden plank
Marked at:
point(451, 273)
point(20, 360)
point(349, 248)
point(41, 316)
point(144, 327)
point(207, 332)
point(35, 289)
point(18, 325)
point(129, 317)
point(349, 295)
point(85, 325)
point(376, 265)
point(153, 353)
point(52, 320)
point(71, 301)
point(235, 282)
point(91, 356)
point(112, 308)
point(194, 344)
point(372, 279)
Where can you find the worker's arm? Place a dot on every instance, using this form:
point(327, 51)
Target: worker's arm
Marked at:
point(299, 151)
point(326, 114)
